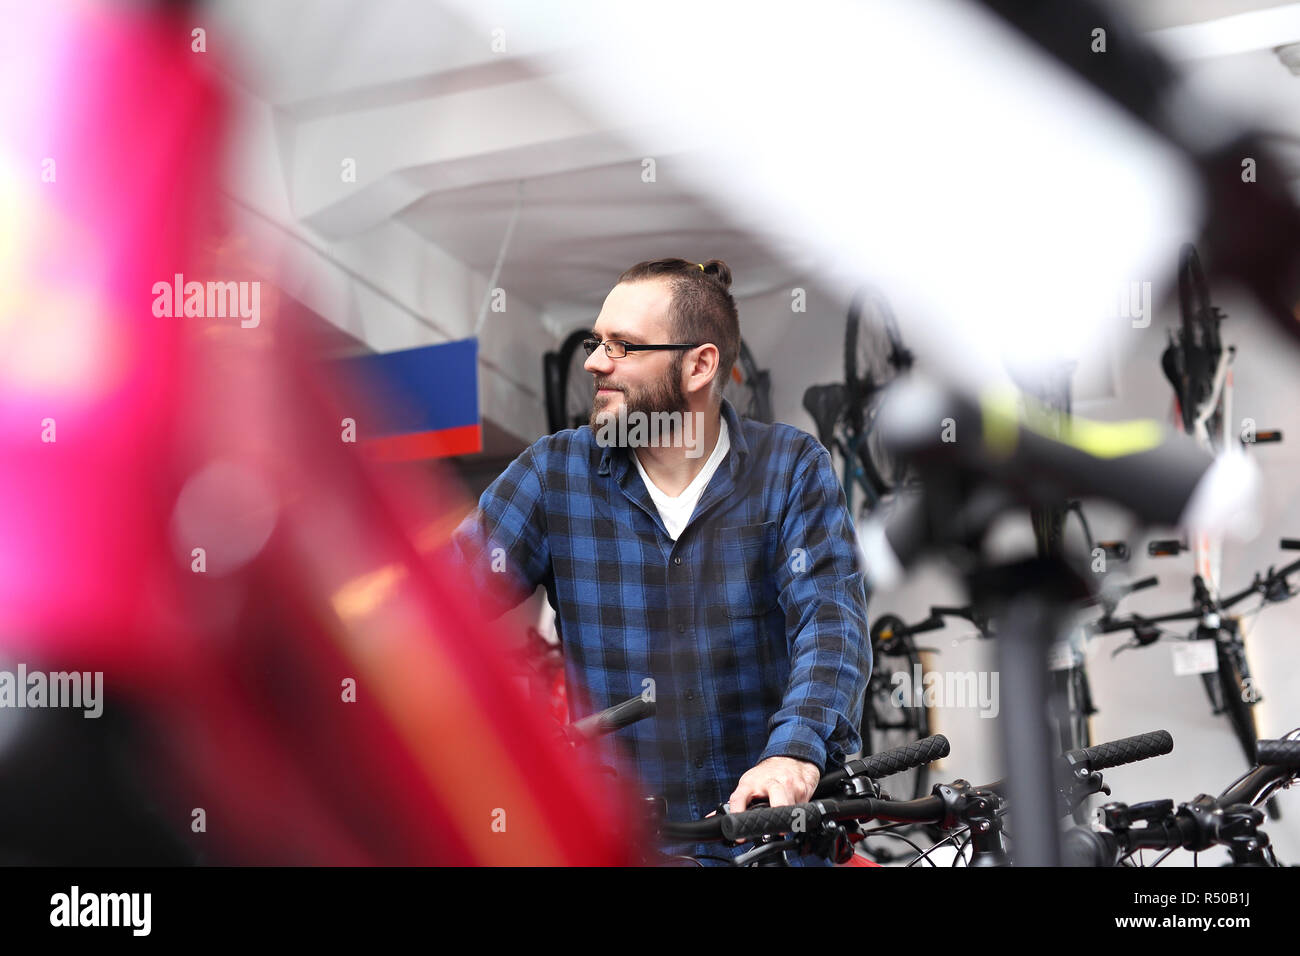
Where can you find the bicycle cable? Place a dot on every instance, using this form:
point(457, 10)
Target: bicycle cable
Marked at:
point(899, 836)
point(951, 836)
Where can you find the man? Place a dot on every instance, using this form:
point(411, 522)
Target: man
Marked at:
point(714, 564)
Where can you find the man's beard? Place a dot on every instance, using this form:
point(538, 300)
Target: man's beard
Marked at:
point(665, 395)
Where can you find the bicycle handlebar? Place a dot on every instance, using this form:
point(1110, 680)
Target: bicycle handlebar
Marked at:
point(1116, 753)
point(803, 817)
point(1265, 585)
point(932, 623)
point(887, 762)
point(1278, 753)
point(1134, 621)
point(612, 718)
point(1262, 585)
point(798, 818)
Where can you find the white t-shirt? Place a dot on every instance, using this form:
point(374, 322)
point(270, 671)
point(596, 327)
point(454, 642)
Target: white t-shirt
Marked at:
point(676, 512)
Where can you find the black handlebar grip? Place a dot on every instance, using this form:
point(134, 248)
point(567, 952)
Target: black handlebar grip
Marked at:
point(902, 758)
point(614, 718)
point(800, 818)
point(1164, 547)
point(1115, 753)
point(1267, 437)
point(895, 760)
point(1278, 753)
point(1290, 544)
point(1143, 584)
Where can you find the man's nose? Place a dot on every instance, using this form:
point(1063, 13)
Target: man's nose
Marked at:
point(599, 362)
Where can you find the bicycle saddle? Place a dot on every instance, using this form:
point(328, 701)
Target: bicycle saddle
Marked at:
point(826, 403)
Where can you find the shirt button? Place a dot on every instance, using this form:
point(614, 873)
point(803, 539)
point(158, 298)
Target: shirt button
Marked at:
point(681, 628)
point(690, 695)
point(699, 763)
point(677, 559)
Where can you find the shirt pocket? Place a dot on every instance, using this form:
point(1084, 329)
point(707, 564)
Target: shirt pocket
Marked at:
point(743, 570)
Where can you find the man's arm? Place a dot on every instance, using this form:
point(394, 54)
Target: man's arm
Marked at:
point(823, 594)
point(503, 543)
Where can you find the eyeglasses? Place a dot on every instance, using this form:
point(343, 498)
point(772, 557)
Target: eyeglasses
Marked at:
point(616, 349)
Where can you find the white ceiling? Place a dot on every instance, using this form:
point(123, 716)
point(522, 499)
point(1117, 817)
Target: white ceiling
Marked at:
point(463, 134)
point(457, 126)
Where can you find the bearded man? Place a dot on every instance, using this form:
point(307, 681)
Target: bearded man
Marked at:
point(717, 565)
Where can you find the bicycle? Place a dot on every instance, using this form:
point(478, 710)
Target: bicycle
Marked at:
point(1225, 671)
point(845, 413)
point(831, 827)
point(1006, 464)
point(1072, 704)
point(831, 824)
point(1230, 820)
point(570, 391)
point(1071, 695)
point(1199, 367)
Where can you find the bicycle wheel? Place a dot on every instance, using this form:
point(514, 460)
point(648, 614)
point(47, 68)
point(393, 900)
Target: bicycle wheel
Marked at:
point(886, 725)
point(749, 388)
point(575, 388)
point(1239, 699)
point(894, 714)
point(1195, 359)
point(874, 356)
point(1071, 707)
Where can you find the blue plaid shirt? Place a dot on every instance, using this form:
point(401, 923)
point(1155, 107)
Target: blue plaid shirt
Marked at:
point(752, 624)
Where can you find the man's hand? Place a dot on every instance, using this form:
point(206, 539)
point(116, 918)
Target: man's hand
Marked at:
point(783, 780)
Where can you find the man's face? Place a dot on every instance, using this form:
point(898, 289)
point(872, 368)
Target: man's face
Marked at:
point(645, 382)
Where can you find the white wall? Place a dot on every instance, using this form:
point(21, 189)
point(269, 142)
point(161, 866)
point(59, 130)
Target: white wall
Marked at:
point(1138, 691)
point(388, 286)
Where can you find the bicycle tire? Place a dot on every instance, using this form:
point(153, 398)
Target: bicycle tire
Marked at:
point(1241, 714)
point(748, 388)
point(1071, 707)
point(885, 725)
point(569, 399)
point(1199, 344)
point(874, 357)
point(552, 392)
point(874, 354)
point(914, 725)
point(1072, 717)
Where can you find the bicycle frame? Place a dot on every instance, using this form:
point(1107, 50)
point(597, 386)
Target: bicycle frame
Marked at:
point(853, 474)
point(1207, 549)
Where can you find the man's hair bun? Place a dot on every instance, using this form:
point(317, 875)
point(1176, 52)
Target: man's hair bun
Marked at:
point(719, 270)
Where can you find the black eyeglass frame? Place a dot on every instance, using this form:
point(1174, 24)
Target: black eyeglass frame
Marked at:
point(589, 346)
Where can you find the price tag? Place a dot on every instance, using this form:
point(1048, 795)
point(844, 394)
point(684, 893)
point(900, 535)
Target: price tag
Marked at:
point(1061, 656)
point(1195, 657)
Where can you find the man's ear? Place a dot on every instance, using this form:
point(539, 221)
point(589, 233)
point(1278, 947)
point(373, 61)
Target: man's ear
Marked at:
point(702, 368)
